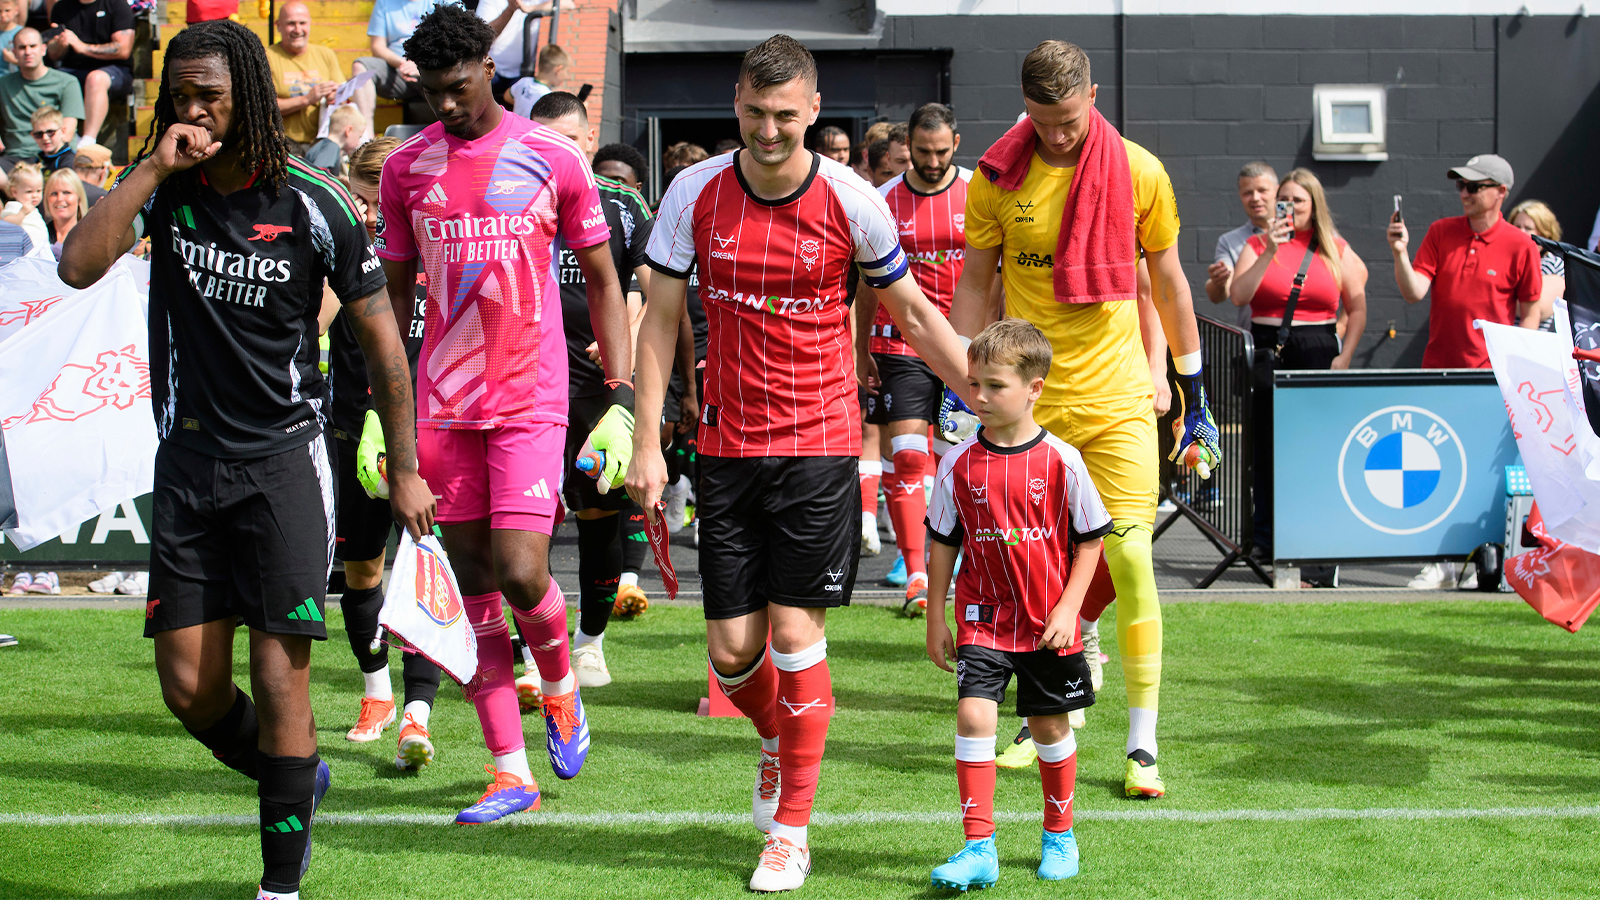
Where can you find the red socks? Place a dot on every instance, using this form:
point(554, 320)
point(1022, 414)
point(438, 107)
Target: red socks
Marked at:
point(755, 692)
point(908, 504)
point(544, 630)
point(869, 473)
point(975, 783)
point(1058, 775)
point(805, 694)
point(1100, 594)
point(496, 699)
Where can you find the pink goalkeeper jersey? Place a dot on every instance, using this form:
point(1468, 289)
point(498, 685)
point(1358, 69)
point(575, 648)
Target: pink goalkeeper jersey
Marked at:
point(482, 216)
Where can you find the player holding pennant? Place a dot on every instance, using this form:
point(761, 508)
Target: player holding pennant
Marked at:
point(475, 200)
point(774, 228)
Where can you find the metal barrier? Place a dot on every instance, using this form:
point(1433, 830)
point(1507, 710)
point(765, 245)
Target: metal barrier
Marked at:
point(1221, 506)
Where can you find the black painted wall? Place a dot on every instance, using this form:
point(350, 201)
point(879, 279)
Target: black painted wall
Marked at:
point(1210, 93)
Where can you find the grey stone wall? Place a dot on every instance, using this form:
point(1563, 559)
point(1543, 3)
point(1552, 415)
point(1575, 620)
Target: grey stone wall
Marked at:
point(1210, 93)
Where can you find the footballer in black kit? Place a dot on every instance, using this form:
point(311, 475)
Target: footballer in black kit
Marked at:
point(610, 526)
point(243, 239)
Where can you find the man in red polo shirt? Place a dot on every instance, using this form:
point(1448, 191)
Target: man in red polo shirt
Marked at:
point(1478, 265)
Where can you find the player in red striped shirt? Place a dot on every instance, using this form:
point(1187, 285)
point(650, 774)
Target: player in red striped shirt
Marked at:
point(929, 204)
point(1019, 503)
point(773, 229)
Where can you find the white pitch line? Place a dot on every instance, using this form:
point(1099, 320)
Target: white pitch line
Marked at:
point(601, 819)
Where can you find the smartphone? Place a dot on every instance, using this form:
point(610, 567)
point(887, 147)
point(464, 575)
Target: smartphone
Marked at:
point(1397, 217)
point(583, 93)
point(1286, 210)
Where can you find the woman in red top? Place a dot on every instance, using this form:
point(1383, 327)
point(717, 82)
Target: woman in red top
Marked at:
point(1267, 268)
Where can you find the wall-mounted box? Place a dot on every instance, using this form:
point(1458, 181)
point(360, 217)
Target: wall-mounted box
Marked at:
point(1348, 123)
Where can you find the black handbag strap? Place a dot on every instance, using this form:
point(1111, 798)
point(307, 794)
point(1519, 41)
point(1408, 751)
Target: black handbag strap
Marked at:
point(1294, 299)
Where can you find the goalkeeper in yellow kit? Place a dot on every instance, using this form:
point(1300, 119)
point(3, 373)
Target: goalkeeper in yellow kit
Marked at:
point(1097, 395)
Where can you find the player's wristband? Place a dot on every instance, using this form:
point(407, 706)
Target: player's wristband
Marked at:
point(619, 393)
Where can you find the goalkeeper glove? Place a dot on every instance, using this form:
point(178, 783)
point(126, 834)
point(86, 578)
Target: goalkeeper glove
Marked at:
point(370, 468)
point(956, 421)
point(1197, 441)
point(611, 441)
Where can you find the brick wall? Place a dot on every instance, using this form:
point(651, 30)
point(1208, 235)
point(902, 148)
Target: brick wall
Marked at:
point(1210, 93)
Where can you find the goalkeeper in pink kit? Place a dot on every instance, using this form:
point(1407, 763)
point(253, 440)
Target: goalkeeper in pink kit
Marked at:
point(476, 201)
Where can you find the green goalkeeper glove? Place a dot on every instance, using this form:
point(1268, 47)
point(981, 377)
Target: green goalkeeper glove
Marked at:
point(613, 437)
point(370, 469)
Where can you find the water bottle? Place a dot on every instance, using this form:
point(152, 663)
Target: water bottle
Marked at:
point(591, 462)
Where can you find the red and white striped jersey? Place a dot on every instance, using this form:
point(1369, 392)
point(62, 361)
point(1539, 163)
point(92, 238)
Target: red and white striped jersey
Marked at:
point(1016, 512)
point(780, 375)
point(933, 233)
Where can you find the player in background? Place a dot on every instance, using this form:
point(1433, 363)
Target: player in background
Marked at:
point(475, 201)
point(773, 229)
point(1098, 395)
point(245, 236)
point(608, 562)
point(874, 471)
point(1018, 502)
point(364, 520)
point(929, 205)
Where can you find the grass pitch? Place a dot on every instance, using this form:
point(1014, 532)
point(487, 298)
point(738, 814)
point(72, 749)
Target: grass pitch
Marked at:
point(1349, 750)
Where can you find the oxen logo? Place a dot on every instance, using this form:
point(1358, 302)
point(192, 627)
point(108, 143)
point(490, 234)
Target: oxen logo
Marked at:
point(269, 233)
point(27, 312)
point(116, 380)
point(436, 596)
point(810, 251)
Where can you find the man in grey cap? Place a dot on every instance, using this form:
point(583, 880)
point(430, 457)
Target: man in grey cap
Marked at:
point(1478, 266)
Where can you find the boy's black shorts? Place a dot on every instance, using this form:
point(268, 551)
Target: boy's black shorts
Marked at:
point(1048, 684)
point(241, 537)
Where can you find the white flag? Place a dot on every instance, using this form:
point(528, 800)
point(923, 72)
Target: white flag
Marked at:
point(1531, 368)
point(423, 607)
point(74, 397)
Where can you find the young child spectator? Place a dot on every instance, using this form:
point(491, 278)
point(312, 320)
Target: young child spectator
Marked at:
point(10, 24)
point(1018, 503)
point(27, 190)
point(553, 67)
point(1534, 217)
point(55, 142)
point(345, 127)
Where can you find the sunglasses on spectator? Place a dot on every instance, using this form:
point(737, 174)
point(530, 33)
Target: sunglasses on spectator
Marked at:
point(1472, 187)
point(40, 134)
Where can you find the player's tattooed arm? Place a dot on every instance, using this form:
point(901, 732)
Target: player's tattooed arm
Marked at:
point(373, 320)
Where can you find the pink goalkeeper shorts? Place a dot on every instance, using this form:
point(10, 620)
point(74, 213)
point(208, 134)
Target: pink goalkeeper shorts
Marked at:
point(510, 474)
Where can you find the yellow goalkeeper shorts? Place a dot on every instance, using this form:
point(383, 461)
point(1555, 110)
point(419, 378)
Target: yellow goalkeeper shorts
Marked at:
point(1117, 439)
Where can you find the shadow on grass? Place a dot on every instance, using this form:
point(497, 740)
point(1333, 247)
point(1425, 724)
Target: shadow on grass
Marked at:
point(214, 888)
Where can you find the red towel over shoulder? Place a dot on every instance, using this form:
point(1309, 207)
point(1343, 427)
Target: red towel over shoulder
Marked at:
point(1096, 250)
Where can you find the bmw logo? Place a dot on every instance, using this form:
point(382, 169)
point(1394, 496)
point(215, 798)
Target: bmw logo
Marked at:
point(1402, 470)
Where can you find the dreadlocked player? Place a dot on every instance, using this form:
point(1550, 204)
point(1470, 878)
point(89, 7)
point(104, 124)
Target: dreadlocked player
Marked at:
point(243, 238)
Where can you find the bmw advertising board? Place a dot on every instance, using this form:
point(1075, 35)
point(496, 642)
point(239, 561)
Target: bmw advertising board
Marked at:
point(1388, 464)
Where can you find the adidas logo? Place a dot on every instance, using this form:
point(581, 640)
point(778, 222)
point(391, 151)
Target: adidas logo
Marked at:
point(437, 194)
point(540, 490)
point(638, 536)
point(305, 612)
point(287, 825)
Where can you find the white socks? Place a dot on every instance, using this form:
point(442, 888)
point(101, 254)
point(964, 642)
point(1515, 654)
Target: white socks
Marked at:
point(1060, 751)
point(975, 749)
point(378, 684)
point(515, 762)
point(628, 578)
point(794, 834)
point(419, 710)
point(557, 688)
point(579, 638)
point(1088, 627)
point(770, 745)
point(1141, 730)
